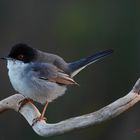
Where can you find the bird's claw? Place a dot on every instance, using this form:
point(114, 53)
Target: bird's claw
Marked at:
point(25, 101)
point(38, 119)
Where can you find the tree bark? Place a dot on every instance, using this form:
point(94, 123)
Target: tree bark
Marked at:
point(30, 112)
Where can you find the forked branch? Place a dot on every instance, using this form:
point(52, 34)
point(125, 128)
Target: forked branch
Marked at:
point(30, 112)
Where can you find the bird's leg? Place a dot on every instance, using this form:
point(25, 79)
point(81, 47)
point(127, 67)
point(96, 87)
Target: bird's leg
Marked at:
point(25, 101)
point(44, 110)
point(41, 117)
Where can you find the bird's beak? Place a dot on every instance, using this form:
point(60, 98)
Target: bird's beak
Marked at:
point(5, 58)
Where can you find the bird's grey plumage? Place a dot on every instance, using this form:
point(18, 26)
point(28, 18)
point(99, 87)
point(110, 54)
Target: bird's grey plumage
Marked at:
point(46, 71)
point(33, 83)
point(44, 76)
point(52, 59)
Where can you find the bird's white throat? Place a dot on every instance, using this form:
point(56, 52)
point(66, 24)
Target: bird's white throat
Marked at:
point(15, 71)
point(16, 65)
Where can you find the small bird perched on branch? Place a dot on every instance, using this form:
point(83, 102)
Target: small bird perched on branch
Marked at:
point(41, 76)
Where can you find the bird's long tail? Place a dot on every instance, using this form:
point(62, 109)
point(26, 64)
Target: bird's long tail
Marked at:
point(76, 66)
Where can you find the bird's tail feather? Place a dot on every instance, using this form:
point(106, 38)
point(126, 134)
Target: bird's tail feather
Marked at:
point(76, 66)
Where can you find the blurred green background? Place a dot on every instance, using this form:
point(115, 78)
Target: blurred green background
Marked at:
point(75, 29)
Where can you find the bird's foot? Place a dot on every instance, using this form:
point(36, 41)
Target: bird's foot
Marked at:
point(25, 101)
point(38, 119)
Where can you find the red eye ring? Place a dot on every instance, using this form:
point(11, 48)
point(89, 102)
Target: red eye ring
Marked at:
point(20, 56)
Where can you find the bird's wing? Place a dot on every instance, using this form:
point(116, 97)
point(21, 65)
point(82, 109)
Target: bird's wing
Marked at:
point(51, 73)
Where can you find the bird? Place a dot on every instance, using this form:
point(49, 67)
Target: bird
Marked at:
point(43, 77)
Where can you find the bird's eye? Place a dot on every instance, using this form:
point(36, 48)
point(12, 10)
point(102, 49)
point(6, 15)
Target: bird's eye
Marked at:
point(20, 56)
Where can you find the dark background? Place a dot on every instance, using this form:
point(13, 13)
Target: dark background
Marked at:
point(74, 29)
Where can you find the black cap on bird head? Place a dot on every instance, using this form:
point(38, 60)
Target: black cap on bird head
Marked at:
point(23, 52)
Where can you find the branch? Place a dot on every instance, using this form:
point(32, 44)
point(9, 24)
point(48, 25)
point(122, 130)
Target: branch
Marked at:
point(30, 112)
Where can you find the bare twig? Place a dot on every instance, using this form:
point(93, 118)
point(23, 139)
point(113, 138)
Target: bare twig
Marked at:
point(30, 112)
